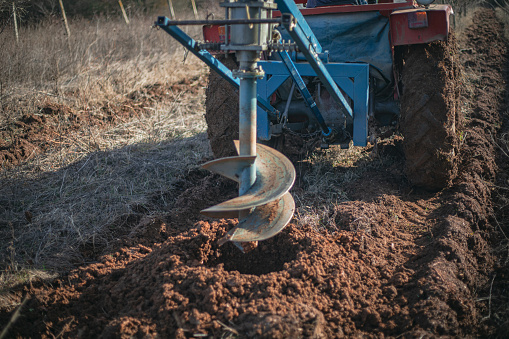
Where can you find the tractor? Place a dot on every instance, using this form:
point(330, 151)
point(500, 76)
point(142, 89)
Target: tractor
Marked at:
point(333, 68)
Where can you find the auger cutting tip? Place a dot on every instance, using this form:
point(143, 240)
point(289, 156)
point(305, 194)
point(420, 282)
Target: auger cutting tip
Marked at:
point(263, 222)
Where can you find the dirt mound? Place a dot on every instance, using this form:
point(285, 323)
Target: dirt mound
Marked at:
point(293, 283)
point(486, 159)
point(400, 262)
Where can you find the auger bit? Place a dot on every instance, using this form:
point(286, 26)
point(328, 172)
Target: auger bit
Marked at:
point(264, 206)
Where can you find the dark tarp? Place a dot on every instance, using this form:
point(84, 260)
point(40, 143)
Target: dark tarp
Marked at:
point(354, 37)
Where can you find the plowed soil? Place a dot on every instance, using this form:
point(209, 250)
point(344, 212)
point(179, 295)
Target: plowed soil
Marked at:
point(32, 134)
point(402, 263)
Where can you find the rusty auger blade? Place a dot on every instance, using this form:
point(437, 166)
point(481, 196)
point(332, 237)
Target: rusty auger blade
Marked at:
point(263, 222)
point(268, 205)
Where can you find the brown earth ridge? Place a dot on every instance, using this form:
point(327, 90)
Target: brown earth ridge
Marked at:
point(401, 263)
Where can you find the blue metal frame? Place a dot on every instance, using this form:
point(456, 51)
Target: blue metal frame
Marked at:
point(352, 78)
point(209, 59)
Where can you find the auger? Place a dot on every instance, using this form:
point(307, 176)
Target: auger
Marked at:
point(324, 69)
point(264, 206)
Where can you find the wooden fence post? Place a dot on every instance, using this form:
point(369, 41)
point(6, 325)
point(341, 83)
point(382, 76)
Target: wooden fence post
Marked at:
point(194, 10)
point(123, 11)
point(172, 12)
point(15, 22)
point(65, 19)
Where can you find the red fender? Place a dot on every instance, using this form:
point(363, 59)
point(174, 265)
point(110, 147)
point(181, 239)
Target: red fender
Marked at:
point(420, 25)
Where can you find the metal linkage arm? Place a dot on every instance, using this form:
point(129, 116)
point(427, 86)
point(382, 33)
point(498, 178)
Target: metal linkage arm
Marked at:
point(304, 91)
point(205, 56)
point(224, 22)
point(303, 42)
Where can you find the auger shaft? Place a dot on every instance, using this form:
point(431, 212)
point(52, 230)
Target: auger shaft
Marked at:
point(247, 120)
point(247, 126)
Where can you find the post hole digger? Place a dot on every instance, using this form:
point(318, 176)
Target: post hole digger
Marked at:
point(325, 69)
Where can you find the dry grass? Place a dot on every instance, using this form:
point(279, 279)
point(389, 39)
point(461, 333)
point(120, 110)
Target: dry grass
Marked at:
point(81, 192)
point(83, 203)
point(323, 186)
point(103, 60)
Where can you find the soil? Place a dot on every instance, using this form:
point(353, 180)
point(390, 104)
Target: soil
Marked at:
point(402, 262)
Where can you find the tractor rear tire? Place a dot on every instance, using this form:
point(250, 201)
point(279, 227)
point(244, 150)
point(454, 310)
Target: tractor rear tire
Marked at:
point(221, 113)
point(430, 117)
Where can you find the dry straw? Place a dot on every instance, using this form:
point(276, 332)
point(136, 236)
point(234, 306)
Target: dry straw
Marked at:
point(84, 192)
